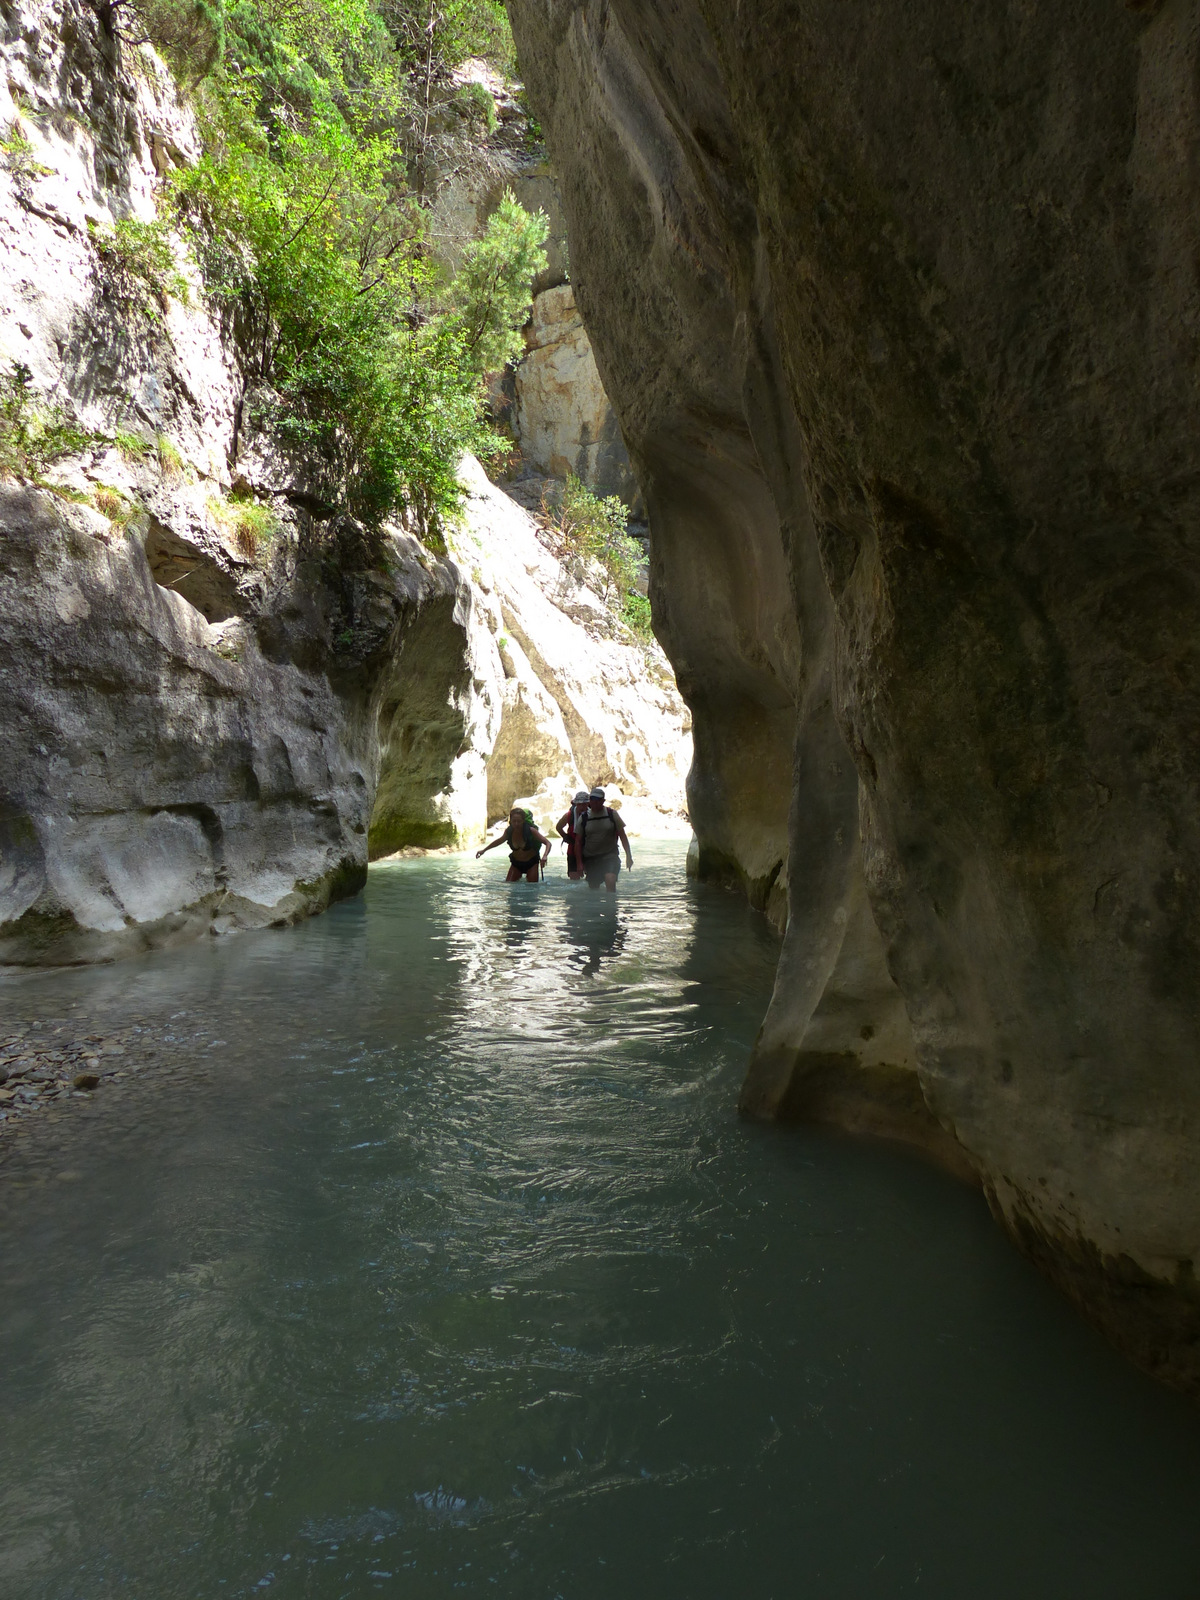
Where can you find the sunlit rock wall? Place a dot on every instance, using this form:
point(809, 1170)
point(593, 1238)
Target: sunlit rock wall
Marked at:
point(581, 701)
point(898, 310)
point(562, 419)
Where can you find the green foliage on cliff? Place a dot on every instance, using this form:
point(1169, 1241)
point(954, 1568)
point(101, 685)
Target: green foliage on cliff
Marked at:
point(34, 433)
point(491, 289)
point(140, 262)
point(588, 529)
point(323, 124)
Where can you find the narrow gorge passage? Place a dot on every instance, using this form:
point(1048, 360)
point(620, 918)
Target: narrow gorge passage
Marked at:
point(441, 1264)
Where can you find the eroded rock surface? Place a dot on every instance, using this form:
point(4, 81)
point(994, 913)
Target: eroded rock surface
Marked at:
point(898, 309)
point(562, 418)
point(166, 777)
point(581, 701)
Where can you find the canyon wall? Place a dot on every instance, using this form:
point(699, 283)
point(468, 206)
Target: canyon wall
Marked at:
point(898, 310)
point(217, 706)
point(582, 701)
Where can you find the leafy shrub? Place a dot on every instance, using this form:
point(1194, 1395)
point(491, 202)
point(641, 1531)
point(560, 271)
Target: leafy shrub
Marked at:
point(587, 532)
point(308, 216)
point(478, 105)
point(140, 261)
point(334, 296)
point(189, 33)
point(33, 434)
point(635, 613)
point(19, 158)
point(586, 528)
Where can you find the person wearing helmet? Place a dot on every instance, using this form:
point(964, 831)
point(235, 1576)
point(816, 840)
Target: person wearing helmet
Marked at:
point(601, 831)
point(522, 839)
point(567, 828)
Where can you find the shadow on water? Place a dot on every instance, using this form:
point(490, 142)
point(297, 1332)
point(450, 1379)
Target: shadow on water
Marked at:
point(593, 929)
point(447, 1268)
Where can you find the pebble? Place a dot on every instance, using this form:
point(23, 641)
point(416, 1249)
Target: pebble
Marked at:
point(52, 1060)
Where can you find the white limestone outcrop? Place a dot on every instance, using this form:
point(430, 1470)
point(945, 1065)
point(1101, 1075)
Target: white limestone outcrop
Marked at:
point(582, 701)
point(562, 418)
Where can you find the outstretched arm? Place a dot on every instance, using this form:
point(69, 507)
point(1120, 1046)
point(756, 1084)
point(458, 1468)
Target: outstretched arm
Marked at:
point(503, 839)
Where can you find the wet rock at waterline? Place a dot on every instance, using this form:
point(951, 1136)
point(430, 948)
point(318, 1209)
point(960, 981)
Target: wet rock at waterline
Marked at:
point(165, 776)
point(52, 1060)
point(896, 309)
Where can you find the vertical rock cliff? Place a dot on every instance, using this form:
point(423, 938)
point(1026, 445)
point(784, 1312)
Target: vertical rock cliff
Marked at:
point(898, 310)
point(219, 698)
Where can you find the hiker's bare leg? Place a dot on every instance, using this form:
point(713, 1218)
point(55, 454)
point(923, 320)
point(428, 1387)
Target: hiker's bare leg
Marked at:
point(514, 874)
point(610, 882)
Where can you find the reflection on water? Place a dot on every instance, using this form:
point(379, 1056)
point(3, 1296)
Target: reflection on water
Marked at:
point(457, 1274)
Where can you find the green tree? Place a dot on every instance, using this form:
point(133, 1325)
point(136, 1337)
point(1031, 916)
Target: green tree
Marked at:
point(492, 291)
point(308, 218)
point(329, 281)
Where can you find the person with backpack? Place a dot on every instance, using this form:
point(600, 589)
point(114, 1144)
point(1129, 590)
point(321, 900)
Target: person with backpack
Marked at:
point(600, 832)
point(567, 828)
point(522, 839)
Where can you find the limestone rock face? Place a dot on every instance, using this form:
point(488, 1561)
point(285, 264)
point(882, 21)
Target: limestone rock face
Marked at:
point(897, 308)
point(198, 732)
point(562, 416)
point(581, 702)
point(166, 777)
point(439, 713)
point(91, 134)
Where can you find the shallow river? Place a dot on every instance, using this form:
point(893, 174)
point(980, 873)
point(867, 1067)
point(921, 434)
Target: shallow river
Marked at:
point(450, 1270)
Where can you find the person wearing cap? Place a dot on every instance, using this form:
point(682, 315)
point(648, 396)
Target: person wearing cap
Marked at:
point(567, 828)
point(600, 833)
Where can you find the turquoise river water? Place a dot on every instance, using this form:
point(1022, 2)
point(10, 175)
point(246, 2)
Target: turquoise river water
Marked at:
point(450, 1270)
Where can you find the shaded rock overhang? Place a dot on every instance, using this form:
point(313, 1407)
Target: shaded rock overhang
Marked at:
point(898, 310)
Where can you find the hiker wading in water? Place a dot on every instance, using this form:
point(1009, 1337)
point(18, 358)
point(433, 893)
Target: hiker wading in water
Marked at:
point(522, 839)
point(567, 828)
point(600, 831)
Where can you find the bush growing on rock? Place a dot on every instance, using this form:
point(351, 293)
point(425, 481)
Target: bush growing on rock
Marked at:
point(33, 434)
point(308, 216)
point(140, 262)
point(492, 291)
point(589, 530)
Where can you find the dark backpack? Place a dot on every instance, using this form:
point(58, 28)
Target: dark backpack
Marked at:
point(583, 822)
